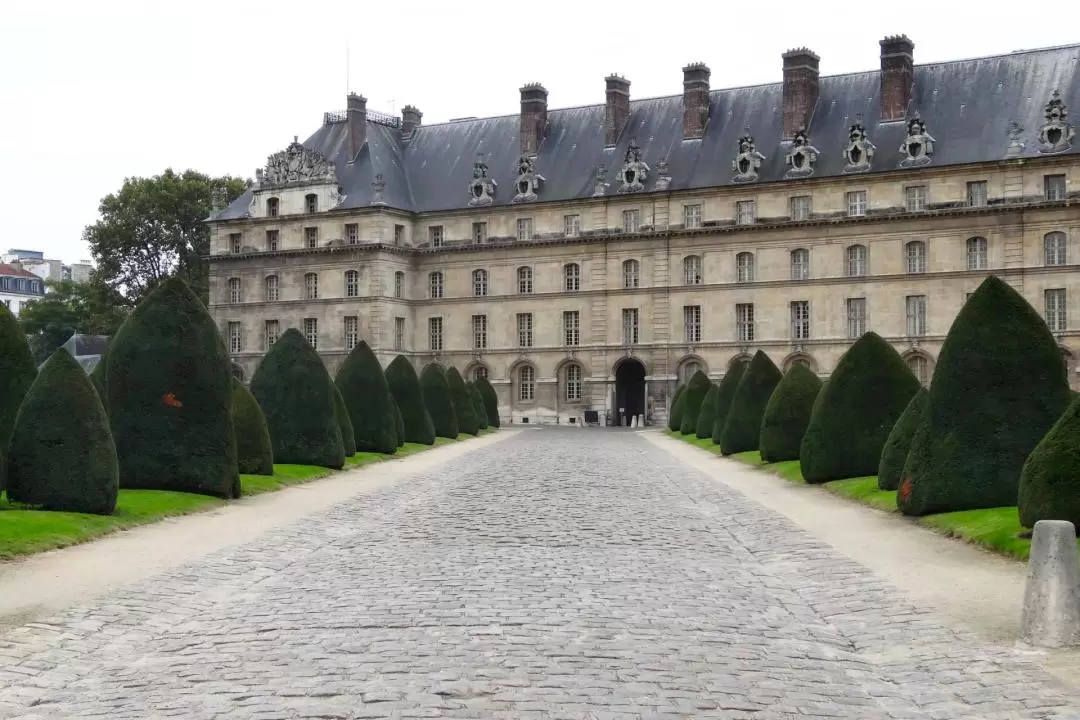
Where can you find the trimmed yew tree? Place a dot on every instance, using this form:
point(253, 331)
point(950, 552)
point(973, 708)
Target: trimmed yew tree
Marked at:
point(674, 411)
point(1050, 478)
point(169, 389)
point(704, 424)
point(690, 406)
point(367, 395)
point(855, 412)
point(742, 428)
point(399, 424)
point(296, 395)
point(437, 400)
point(491, 400)
point(97, 378)
point(463, 405)
point(787, 414)
point(341, 413)
point(999, 386)
point(894, 453)
point(725, 393)
point(405, 387)
point(254, 451)
point(478, 405)
point(17, 373)
point(62, 455)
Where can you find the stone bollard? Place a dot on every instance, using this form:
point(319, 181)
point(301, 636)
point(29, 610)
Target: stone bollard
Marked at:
point(1051, 616)
point(641, 421)
point(633, 421)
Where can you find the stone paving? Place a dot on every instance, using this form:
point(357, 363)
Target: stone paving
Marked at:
point(556, 574)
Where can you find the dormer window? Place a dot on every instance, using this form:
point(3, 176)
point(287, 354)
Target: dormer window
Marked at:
point(273, 207)
point(311, 204)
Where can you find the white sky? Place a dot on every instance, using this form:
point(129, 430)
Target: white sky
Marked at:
point(93, 92)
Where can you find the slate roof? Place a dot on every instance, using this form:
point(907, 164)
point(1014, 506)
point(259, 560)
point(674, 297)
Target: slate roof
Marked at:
point(967, 105)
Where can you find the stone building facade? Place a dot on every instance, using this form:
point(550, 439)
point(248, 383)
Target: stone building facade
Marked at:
point(590, 258)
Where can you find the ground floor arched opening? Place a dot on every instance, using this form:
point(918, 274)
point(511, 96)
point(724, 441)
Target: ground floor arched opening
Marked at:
point(629, 391)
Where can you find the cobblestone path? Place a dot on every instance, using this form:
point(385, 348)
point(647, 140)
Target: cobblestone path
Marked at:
point(555, 574)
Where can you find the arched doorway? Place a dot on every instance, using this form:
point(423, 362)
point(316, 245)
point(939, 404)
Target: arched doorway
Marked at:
point(629, 391)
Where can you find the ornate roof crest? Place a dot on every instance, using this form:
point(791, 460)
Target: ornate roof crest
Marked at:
point(634, 171)
point(601, 181)
point(529, 181)
point(918, 146)
point(1057, 132)
point(747, 163)
point(802, 157)
point(296, 164)
point(377, 187)
point(1016, 139)
point(482, 188)
point(663, 179)
point(859, 152)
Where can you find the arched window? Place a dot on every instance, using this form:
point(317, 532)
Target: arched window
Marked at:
point(273, 207)
point(271, 283)
point(525, 280)
point(800, 264)
point(744, 267)
point(311, 286)
point(977, 256)
point(920, 368)
point(234, 290)
point(352, 283)
point(630, 272)
point(435, 284)
point(858, 263)
point(572, 381)
point(572, 276)
point(399, 284)
point(480, 372)
point(1054, 247)
point(311, 203)
point(526, 383)
point(479, 283)
point(692, 272)
point(915, 256)
point(688, 369)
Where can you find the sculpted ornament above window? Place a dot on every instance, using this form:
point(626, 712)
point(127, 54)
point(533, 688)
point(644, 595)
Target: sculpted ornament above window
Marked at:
point(1016, 139)
point(663, 178)
point(295, 164)
point(747, 163)
point(859, 152)
point(1057, 133)
point(918, 146)
point(802, 157)
point(634, 172)
point(482, 188)
point(528, 180)
point(601, 186)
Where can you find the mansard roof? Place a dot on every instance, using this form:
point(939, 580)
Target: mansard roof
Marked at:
point(968, 107)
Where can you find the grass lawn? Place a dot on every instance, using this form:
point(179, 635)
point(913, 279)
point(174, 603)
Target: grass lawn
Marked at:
point(750, 457)
point(284, 475)
point(865, 491)
point(790, 470)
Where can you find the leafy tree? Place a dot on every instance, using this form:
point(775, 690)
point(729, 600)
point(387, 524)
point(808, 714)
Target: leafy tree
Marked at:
point(17, 372)
point(437, 399)
point(491, 401)
point(690, 402)
point(787, 414)
point(341, 412)
point(725, 393)
point(367, 395)
point(707, 414)
point(468, 422)
point(894, 453)
point(742, 427)
point(1050, 479)
point(675, 411)
point(478, 404)
point(405, 387)
point(69, 308)
point(154, 228)
point(254, 450)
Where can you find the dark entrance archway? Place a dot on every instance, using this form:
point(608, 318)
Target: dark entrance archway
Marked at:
point(629, 391)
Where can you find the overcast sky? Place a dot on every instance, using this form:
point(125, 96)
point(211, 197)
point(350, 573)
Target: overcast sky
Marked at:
point(93, 92)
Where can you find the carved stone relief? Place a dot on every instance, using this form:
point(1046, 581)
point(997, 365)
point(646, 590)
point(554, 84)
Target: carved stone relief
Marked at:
point(1016, 139)
point(482, 188)
point(802, 157)
point(601, 181)
point(747, 163)
point(634, 171)
point(1057, 133)
point(918, 146)
point(296, 164)
point(663, 178)
point(377, 187)
point(859, 152)
point(528, 182)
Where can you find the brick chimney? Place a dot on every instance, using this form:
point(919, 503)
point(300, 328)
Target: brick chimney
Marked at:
point(695, 100)
point(897, 76)
point(356, 117)
point(410, 120)
point(617, 109)
point(533, 117)
point(800, 89)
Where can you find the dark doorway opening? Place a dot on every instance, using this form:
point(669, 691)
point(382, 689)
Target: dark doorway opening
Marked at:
point(629, 391)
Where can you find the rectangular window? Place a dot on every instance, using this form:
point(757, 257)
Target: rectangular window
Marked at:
point(856, 318)
point(915, 198)
point(631, 221)
point(236, 343)
point(856, 203)
point(976, 193)
point(1055, 248)
point(525, 329)
point(234, 243)
point(1054, 187)
point(1055, 310)
point(800, 320)
point(352, 331)
point(744, 322)
point(399, 284)
point(571, 322)
point(435, 338)
point(800, 207)
point(311, 237)
point(691, 216)
point(311, 286)
point(311, 332)
point(479, 332)
point(271, 240)
point(311, 204)
point(352, 283)
point(399, 333)
point(399, 234)
point(352, 233)
point(692, 323)
point(234, 290)
point(746, 212)
point(571, 225)
point(916, 315)
point(435, 235)
point(524, 229)
point(271, 330)
point(479, 232)
point(630, 326)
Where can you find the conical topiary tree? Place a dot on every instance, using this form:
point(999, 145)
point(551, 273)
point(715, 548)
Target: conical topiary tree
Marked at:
point(491, 401)
point(674, 411)
point(62, 455)
point(856, 411)
point(405, 387)
point(17, 372)
point(787, 414)
point(296, 395)
point(399, 423)
point(725, 393)
point(478, 404)
point(438, 402)
point(463, 406)
point(894, 453)
point(690, 403)
point(367, 395)
point(742, 427)
point(97, 378)
point(707, 413)
point(341, 413)
point(254, 451)
point(1050, 478)
point(999, 386)
point(169, 390)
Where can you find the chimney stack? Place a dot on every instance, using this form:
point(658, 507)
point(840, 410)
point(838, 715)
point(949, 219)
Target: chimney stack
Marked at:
point(410, 120)
point(800, 89)
point(617, 109)
point(533, 117)
point(356, 117)
point(695, 100)
point(897, 76)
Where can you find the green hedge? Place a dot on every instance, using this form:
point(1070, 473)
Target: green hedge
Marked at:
point(468, 422)
point(437, 400)
point(725, 393)
point(478, 405)
point(674, 411)
point(742, 428)
point(704, 424)
point(405, 387)
point(1050, 479)
point(894, 453)
point(169, 390)
point(62, 455)
point(696, 389)
point(399, 423)
point(341, 414)
point(97, 378)
point(787, 414)
point(491, 400)
point(17, 372)
point(367, 395)
point(254, 450)
point(999, 386)
point(296, 395)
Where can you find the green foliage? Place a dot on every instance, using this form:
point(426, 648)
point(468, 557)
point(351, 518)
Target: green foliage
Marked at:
point(399, 423)
point(704, 424)
point(725, 394)
point(367, 395)
point(154, 228)
point(742, 427)
point(341, 413)
point(296, 395)
point(690, 403)
point(999, 386)
point(674, 410)
point(856, 411)
point(478, 404)
point(894, 453)
point(1050, 479)
point(787, 414)
point(468, 422)
point(62, 455)
point(170, 397)
point(69, 308)
point(437, 400)
point(254, 451)
point(491, 401)
point(97, 379)
point(405, 387)
point(17, 372)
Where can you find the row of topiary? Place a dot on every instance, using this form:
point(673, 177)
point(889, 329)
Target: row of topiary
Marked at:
point(995, 429)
